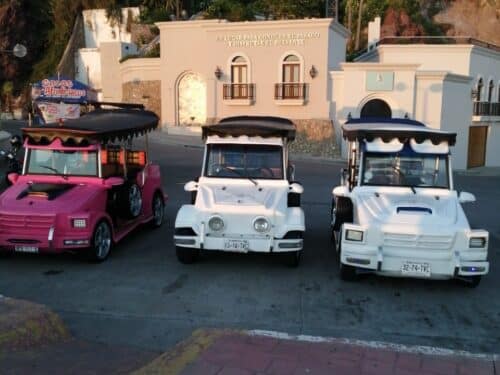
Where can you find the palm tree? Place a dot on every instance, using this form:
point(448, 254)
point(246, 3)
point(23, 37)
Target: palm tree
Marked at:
point(358, 29)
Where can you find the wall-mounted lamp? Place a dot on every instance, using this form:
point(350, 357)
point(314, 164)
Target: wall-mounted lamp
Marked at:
point(218, 72)
point(313, 72)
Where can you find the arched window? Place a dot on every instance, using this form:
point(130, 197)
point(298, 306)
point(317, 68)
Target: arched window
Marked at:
point(239, 70)
point(239, 87)
point(376, 108)
point(479, 89)
point(291, 86)
point(490, 91)
point(291, 69)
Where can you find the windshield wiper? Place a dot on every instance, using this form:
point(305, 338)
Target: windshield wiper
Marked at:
point(400, 172)
point(63, 175)
point(239, 174)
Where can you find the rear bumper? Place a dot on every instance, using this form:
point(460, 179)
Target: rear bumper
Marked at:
point(260, 245)
point(443, 264)
point(436, 254)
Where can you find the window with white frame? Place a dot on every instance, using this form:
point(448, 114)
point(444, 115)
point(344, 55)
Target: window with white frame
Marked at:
point(291, 86)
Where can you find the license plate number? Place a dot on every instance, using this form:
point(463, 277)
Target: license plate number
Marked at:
point(416, 269)
point(26, 249)
point(236, 245)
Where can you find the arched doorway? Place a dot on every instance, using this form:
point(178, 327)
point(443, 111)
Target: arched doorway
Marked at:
point(192, 100)
point(376, 108)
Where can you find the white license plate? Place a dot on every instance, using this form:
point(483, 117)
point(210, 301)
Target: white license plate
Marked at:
point(416, 269)
point(26, 249)
point(236, 245)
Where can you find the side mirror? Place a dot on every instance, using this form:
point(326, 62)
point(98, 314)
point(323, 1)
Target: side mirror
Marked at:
point(465, 197)
point(343, 176)
point(191, 186)
point(290, 172)
point(114, 181)
point(341, 191)
point(12, 177)
point(296, 188)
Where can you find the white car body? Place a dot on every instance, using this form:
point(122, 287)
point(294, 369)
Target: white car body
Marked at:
point(239, 203)
point(407, 231)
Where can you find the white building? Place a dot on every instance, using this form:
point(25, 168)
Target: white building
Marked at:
point(211, 69)
point(106, 42)
point(453, 86)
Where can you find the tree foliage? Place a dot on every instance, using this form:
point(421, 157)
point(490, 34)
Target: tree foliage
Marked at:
point(45, 26)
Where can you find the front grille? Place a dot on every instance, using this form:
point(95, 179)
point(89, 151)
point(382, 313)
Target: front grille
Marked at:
point(9, 221)
point(424, 241)
point(22, 241)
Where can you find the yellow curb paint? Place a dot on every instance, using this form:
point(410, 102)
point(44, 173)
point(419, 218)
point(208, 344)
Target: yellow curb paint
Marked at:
point(46, 327)
point(184, 353)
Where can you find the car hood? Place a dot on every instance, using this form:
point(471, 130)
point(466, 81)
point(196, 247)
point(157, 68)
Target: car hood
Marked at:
point(421, 209)
point(46, 198)
point(224, 195)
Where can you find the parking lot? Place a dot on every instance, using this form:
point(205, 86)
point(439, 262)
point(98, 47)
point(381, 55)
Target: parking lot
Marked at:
point(143, 296)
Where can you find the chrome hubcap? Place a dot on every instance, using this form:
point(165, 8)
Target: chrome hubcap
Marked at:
point(135, 200)
point(102, 240)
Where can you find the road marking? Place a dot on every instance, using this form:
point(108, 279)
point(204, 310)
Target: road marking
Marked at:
point(415, 349)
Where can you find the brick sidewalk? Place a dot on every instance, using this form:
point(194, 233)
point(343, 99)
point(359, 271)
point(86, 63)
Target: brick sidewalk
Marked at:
point(240, 353)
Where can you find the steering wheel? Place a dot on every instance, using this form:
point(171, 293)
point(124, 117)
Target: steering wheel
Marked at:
point(218, 168)
point(268, 172)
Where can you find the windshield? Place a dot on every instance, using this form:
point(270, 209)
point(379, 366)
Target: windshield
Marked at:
point(419, 170)
point(244, 161)
point(58, 162)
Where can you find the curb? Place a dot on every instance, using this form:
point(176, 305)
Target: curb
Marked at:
point(25, 325)
point(184, 353)
point(190, 355)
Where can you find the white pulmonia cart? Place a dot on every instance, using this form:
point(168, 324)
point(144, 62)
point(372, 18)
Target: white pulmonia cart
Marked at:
point(396, 211)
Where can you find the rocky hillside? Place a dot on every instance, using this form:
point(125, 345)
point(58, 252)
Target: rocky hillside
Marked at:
point(479, 19)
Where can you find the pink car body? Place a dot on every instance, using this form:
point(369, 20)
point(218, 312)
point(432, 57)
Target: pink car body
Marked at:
point(45, 212)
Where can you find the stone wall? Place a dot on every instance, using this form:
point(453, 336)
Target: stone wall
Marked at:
point(315, 137)
point(143, 92)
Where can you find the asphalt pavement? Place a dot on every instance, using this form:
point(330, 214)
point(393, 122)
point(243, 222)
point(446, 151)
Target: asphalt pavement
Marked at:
point(143, 297)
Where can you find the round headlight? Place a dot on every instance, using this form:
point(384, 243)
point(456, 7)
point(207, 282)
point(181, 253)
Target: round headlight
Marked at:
point(216, 223)
point(261, 225)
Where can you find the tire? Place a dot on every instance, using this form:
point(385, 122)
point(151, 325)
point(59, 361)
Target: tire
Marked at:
point(471, 281)
point(293, 258)
point(158, 209)
point(187, 255)
point(101, 242)
point(341, 212)
point(346, 272)
point(130, 200)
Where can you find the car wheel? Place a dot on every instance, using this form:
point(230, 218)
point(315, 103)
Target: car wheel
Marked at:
point(101, 242)
point(471, 281)
point(293, 258)
point(158, 211)
point(131, 200)
point(341, 212)
point(187, 255)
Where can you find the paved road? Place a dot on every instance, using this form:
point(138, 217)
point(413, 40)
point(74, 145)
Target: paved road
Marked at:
point(143, 297)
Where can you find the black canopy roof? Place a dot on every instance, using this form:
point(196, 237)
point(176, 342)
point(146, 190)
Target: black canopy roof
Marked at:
point(100, 125)
point(263, 126)
point(402, 129)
